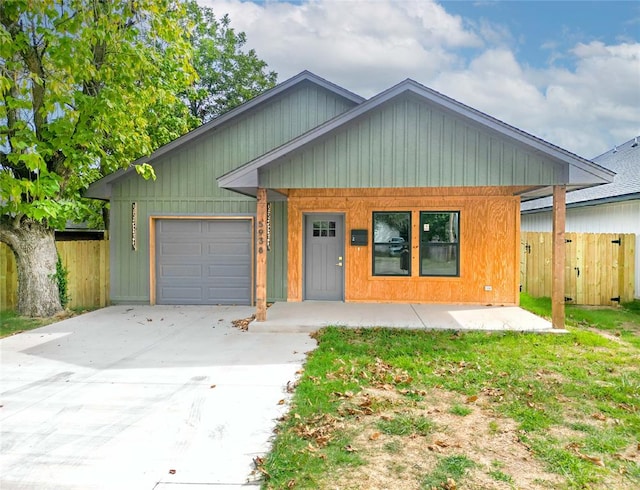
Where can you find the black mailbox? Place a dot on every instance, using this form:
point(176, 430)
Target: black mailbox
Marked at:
point(359, 237)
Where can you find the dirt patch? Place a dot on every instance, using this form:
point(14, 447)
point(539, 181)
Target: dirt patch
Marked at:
point(500, 460)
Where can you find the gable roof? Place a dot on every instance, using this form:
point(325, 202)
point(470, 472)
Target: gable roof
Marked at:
point(101, 189)
point(582, 172)
point(624, 160)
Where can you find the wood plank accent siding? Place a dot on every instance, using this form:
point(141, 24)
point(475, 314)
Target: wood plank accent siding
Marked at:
point(489, 243)
point(87, 262)
point(595, 269)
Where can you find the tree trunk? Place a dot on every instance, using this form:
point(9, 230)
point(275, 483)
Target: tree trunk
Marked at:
point(36, 255)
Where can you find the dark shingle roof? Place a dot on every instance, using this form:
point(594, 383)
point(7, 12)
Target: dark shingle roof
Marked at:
point(624, 160)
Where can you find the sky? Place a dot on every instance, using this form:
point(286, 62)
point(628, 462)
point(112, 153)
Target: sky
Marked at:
point(565, 71)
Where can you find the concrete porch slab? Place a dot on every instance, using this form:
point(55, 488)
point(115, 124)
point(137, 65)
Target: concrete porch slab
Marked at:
point(312, 315)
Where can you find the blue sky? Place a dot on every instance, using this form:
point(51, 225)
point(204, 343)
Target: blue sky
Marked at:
point(543, 28)
point(565, 71)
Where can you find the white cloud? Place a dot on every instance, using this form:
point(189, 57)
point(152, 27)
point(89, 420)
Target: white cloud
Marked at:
point(586, 110)
point(367, 46)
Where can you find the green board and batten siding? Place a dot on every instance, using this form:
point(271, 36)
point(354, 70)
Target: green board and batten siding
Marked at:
point(186, 184)
point(407, 143)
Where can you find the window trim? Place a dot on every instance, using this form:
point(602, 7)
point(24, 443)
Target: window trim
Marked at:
point(423, 245)
point(374, 243)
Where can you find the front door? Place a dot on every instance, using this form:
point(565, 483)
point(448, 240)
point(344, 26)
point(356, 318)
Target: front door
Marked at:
point(324, 257)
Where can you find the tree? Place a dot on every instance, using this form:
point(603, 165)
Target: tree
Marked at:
point(227, 75)
point(79, 80)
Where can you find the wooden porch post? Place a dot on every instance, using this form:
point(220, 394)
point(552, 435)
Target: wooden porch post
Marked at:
point(558, 256)
point(261, 257)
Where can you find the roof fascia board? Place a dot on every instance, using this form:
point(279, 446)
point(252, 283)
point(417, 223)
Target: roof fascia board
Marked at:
point(600, 174)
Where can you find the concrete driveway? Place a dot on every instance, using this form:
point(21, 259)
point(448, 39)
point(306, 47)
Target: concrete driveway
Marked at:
point(140, 397)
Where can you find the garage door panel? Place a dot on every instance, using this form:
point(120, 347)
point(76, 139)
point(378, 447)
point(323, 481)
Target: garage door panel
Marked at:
point(177, 294)
point(181, 270)
point(232, 228)
point(228, 271)
point(228, 295)
point(180, 226)
point(203, 262)
point(181, 249)
point(231, 249)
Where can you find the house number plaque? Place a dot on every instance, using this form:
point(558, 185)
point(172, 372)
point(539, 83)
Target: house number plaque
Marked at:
point(134, 225)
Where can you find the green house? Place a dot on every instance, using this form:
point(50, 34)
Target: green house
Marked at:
point(311, 192)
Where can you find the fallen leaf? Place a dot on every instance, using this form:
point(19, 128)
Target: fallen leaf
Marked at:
point(471, 399)
point(450, 484)
point(441, 443)
point(350, 449)
point(375, 436)
point(281, 402)
point(595, 460)
point(291, 483)
point(243, 324)
point(598, 416)
point(212, 386)
point(172, 472)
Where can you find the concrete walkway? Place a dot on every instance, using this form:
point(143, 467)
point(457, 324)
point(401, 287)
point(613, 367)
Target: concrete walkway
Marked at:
point(312, 315)
point(142, 398)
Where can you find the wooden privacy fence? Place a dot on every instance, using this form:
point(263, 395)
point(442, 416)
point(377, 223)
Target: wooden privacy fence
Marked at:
point(87, 262)
point(599, 267)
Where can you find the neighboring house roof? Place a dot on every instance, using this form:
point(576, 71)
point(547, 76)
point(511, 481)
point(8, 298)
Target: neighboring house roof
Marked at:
point(581, 172)
point(101, 189)
point(624, 160)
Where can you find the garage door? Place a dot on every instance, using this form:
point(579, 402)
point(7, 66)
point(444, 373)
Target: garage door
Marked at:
point(203, 262)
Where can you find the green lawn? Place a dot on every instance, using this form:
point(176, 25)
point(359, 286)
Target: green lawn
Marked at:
point(389, 408)
point(12, 323)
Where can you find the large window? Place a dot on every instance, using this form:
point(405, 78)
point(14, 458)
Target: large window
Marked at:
point(439, 243)
point(392, 244)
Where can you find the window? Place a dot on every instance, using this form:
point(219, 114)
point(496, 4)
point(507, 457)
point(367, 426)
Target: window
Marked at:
point(439, 243)
point(324, 228)
point(391, 244)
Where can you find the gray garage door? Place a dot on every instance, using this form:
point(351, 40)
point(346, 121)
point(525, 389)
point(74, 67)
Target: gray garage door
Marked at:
point(203, 262)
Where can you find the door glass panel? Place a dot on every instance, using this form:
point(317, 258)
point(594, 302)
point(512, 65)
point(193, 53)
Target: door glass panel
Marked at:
point(324, 228)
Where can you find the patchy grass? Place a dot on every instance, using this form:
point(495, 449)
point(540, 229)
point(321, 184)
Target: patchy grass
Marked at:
point(388, 408)
point(11, 323)
point(448, 471)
